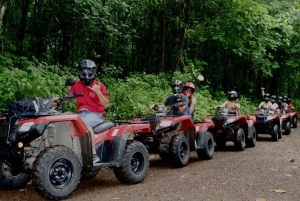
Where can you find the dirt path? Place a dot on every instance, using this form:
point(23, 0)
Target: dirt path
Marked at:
point(268, 172)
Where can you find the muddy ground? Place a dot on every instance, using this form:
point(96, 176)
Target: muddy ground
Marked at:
point(268, 172)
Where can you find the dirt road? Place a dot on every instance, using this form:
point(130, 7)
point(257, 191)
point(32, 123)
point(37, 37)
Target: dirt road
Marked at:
point(268, 172)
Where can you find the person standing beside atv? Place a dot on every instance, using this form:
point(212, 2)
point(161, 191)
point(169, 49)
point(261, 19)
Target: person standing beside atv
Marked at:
point(91, 105)
point(232, 103)
point(188, 90)
point(177, 101)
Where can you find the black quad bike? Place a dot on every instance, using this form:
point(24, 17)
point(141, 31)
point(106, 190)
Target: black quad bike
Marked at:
point(54, 149)
point(231, 127)
point(173, 137)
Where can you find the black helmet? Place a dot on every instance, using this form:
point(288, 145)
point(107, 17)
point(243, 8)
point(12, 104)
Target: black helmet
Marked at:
point(288, 101)
point(286, 97)
point(87, 71)
point(232, 95)
point(267, 97)
point(279, 98)
point(177, 86)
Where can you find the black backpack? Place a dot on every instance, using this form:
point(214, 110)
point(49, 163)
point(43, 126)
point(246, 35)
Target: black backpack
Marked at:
point(27, 106)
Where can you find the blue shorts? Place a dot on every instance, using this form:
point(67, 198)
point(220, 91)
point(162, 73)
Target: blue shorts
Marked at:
point(91, 119)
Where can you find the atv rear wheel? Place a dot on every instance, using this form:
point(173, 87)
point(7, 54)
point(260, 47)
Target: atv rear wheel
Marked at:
point(179, 150)
point(240, 142)
point(251, 142)
point(288, 128)
point(207, 152)
point(294, 122)
point(275, 133)
point(56, 172)
point(11, 178)
point(135, 163)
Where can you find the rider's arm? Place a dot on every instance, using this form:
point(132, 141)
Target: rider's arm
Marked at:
point(193, 105)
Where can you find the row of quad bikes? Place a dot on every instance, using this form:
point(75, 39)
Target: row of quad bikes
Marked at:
point(53, 149)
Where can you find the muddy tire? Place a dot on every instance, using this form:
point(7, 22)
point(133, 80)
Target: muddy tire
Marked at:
point(240, 142)
point(135, 164)
point(179, 151)
point(275, 133)
point(208, 148)
point(251, 142)
point(11, 178)
point(294, 122)
point(56, 172)
point(288, 128)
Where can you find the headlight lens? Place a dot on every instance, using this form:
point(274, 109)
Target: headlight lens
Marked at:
point(26, 126)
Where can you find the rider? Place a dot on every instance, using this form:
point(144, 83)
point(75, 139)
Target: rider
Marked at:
point(274, 104)
point(91, 105)
point(188, 90)
point(232, 103)
point(290, 105)
point(280, 103)
point(266, 104)
point(177, 100)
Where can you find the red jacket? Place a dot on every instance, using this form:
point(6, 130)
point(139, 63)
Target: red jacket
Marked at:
point(89, 100)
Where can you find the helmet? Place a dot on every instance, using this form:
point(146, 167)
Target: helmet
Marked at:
point(232, 95)
point(284, 100)
point(189, 89)
point(286, 97)
point(288, 101)
point(266, 97)
point(177, 86)
point(87, 71)
point(279, 98)
point(273, 99)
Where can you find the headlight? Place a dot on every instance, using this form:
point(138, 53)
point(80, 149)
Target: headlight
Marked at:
point(26, 126)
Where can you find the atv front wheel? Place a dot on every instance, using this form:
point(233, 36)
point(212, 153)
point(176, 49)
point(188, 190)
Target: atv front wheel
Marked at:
point(179, 151)
point(11, 178)
point(251, 142)
point(275, 133)
point(135, 164)
point(207, 152)
point(240, 142)
point(294, 122)
point(288, 128)
point(56, 172)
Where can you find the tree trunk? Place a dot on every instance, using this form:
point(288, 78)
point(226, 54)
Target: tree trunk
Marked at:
point(180, 59)
point(162, 22)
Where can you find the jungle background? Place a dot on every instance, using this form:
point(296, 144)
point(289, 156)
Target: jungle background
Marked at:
point(141, 46)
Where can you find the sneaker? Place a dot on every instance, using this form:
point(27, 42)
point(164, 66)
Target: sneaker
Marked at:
point(96, 159)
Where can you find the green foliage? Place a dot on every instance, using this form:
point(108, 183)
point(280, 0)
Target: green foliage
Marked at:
point(35, 79)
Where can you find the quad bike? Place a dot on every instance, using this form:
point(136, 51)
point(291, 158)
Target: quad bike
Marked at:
point(54, 149)
point(293, 116)
point(266, 121)
point(285, 122)
point(173, 137)
point(231, 127)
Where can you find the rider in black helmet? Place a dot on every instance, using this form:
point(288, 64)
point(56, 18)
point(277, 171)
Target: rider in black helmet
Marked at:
point(177, 100)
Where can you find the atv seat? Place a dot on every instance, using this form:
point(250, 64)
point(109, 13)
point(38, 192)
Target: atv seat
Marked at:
point(103, 127)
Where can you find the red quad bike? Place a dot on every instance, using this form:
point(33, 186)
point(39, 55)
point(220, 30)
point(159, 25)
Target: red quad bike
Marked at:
point(54, 149)
point(293, 117)
point(225, 127)
point(285, 120)
point(267, 122)
point(173, 137)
